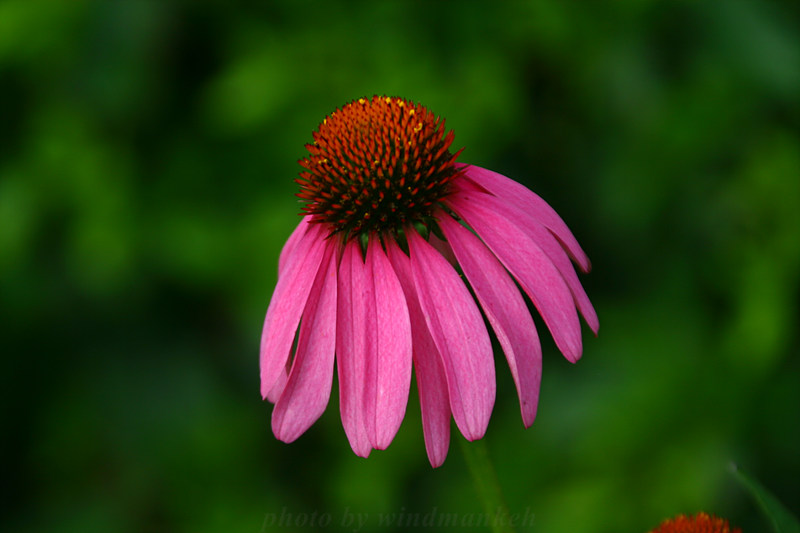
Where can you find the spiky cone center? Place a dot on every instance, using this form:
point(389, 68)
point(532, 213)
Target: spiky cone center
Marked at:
point(699, 523)
point(375, 166)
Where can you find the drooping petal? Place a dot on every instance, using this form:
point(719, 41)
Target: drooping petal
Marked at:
point(531, 267)
point(351, 339)
point(431, 381)
point(286, 252)
point(555, 252)
point(388, 357)
point(551, 246)
point(460, 335)
point(526, 200)
point(286, 306)
point(443, 248)
point(277, 389)
point(504, 308)
point(291, 243)
point(309, 386)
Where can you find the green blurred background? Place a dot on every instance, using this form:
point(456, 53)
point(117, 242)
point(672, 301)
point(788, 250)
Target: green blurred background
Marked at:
point(147, 157)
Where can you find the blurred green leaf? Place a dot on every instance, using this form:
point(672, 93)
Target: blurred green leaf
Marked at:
point(779, 517)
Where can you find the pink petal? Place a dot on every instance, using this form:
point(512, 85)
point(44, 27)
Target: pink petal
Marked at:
point(351, 346)
point(388, 360)
point(506, 310)
point(277, 389)
point(555, 252)
point(309, 386)
point(428, 369)
point(291, 243)
point(457, 328)
point(443, 248)
point(526, 200)
point(286, 306)
point(526, 261)
point(552, 247)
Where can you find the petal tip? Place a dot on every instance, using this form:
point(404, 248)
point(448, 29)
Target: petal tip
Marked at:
point(573, 357)
point(437, 462)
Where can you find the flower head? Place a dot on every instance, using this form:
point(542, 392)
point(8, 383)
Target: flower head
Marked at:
point(699, 523)
point(369, 282)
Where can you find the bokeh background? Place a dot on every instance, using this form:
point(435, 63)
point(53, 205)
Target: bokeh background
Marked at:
point(147, 157)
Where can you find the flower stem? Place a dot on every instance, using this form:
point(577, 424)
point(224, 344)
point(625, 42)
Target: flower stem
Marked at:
point(486, 485)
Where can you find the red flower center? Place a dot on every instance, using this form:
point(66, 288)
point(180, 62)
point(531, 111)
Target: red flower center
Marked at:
point(699, 523)
point(377, 165)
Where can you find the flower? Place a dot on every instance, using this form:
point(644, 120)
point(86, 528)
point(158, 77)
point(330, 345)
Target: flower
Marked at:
point(699, 523)
point(369, 278)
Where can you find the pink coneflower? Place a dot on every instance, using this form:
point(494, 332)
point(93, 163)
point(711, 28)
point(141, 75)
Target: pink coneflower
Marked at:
point(371, 280)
